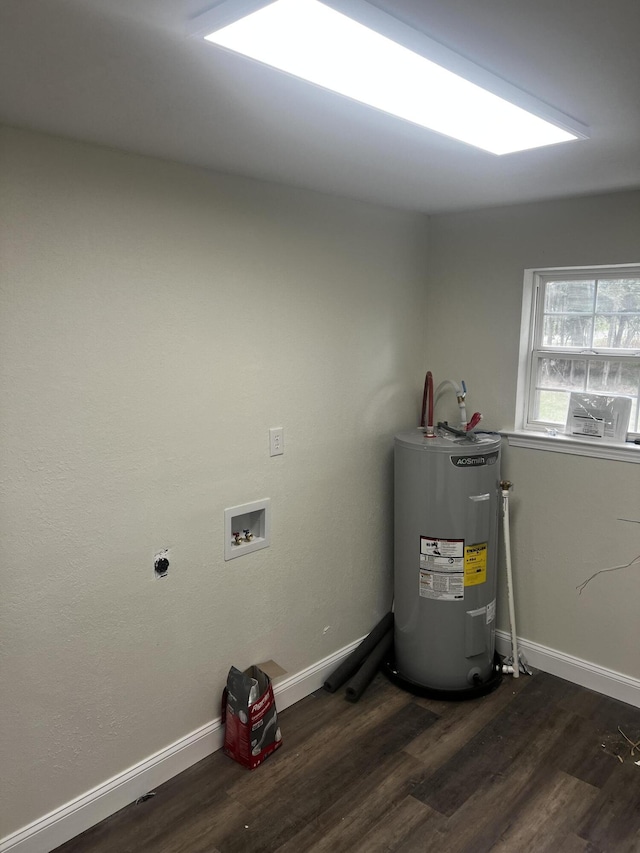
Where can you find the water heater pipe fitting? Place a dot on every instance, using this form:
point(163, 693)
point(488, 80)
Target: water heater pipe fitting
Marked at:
point(461, 393)
point(427, 405)
point(505, 485)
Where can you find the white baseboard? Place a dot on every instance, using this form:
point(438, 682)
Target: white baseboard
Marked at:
point(607, 681)
point(64, 823)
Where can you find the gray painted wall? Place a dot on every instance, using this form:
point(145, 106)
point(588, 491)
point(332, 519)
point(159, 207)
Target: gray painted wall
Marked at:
point(156, 320)
point(565, 509)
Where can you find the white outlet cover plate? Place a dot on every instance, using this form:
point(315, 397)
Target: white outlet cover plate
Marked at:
point(276, 441)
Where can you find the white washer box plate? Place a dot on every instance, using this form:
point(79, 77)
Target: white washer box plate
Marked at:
point(254, 516)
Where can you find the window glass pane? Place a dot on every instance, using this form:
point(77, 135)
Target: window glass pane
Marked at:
point(564, 330)
point(561, 373)
point(618, 295)
point(614, 377)
point(585, 338)
point(551, 406)
point(617, 331)
point(564, 297)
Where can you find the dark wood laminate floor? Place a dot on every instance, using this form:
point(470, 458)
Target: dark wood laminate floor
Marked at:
point(532, 767)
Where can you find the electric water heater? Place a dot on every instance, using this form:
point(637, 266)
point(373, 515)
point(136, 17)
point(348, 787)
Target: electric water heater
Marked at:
point(447, 499)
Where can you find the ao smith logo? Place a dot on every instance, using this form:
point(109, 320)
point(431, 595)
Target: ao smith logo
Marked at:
point(475, 461)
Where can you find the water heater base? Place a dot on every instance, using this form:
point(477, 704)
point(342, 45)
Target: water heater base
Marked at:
point(472, 692)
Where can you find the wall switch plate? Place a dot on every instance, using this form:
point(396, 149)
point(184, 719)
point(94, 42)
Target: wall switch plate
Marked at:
point(276, 441)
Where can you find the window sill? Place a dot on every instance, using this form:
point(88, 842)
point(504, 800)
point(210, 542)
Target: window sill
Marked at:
point(575, 446)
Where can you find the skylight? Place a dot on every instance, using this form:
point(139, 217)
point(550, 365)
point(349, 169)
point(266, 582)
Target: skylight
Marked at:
point(311, 40)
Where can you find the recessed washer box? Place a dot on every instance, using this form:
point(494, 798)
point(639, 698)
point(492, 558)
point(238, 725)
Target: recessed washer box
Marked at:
point(254, 517)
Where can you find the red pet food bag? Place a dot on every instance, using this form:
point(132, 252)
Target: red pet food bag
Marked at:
point(249, 716)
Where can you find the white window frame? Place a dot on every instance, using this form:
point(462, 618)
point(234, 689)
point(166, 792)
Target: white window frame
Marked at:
point(538, 434)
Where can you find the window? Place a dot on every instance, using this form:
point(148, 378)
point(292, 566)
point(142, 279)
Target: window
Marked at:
point(580, 332)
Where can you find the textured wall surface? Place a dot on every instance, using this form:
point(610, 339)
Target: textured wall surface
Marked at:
point(156, 320)
point(565, 509)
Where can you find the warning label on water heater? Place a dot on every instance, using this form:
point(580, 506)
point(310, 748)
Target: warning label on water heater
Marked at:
point(475, 564)
point(442, 568)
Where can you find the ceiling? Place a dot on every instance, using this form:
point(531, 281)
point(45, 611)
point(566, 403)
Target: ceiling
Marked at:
point(123, 73)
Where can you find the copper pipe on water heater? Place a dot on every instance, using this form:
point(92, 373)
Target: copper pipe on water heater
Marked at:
point(427, 404)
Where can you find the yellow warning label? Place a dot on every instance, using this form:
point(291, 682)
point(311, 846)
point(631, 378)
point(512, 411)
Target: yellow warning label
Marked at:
point(475, 564)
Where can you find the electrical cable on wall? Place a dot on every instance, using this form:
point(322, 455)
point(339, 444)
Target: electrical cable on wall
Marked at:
point(581, 586)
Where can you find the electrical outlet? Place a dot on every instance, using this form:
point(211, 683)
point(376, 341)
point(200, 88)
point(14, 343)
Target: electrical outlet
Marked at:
point(276, 441)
